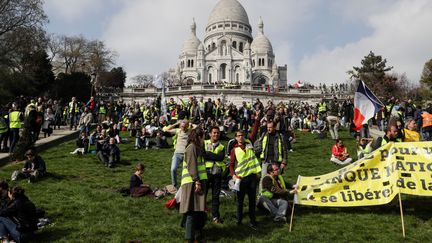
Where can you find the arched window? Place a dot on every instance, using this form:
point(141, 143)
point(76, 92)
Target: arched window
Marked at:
point(234, 44)
point(192, 63)
point(241, 47)
point(188, 63)
point(210, 78)
point(259, 62)
point(263, 62)
point(223, 71)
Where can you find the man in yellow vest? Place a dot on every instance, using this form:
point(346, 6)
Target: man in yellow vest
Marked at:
point(73, 113)
point(273, 149)
point(245, 167)
point(390, 136)
point(274, 193)
point(15, 120)
point(214, 161)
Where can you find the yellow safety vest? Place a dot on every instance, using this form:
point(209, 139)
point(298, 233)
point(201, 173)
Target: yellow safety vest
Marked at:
point(269, 194)
point(264, 147)
point(102, 110)
point(364, 151)
point(216, 150)
point(322, 107)
point(14, 119)
point(187, 178)
point(246, 163)
point(71, 106)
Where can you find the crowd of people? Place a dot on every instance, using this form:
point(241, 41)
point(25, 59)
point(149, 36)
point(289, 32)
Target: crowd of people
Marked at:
point(257, 156)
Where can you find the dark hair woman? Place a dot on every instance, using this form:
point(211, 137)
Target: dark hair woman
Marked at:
point(193, 186)
point(18, 220)
point(137, 188)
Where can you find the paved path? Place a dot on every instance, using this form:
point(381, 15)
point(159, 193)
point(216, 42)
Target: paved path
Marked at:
point(58, 136)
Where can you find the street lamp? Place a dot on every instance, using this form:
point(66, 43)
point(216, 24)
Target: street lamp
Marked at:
point(92, 81)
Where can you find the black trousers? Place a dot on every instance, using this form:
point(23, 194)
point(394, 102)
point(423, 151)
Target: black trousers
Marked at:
point(214, 182)
point(248, 186)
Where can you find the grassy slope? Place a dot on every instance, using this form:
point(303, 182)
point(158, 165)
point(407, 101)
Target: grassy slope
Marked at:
point(79, 196)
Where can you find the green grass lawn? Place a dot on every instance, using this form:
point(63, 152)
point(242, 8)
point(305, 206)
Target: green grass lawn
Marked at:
point(79, 197)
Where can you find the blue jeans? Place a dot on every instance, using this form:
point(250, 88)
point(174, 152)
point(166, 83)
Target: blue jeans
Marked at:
point(176, 160)
point(7, 227)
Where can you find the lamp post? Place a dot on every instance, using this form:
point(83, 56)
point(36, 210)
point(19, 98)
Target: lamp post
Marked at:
point(92, 81)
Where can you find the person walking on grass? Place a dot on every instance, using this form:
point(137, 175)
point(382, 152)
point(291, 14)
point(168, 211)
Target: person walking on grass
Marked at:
point(245, 167)
point(193, 187)
point(214, 155)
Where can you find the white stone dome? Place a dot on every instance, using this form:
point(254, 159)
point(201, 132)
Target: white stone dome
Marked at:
point(261, 44)
point(230, 10)
point(192, 43)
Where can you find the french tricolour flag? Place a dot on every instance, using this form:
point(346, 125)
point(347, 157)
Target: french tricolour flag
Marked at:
point(366, 105)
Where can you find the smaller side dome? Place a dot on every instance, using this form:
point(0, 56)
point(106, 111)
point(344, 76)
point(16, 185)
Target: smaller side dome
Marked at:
point(261, 44)
point(192, 43)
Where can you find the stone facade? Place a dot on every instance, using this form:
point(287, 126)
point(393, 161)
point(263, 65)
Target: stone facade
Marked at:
point(229, 54)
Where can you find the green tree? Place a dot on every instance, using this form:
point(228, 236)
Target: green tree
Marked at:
point(37, 70)
point(76, 84)
point(373, 72)
point(426, 77)
point(114, 78)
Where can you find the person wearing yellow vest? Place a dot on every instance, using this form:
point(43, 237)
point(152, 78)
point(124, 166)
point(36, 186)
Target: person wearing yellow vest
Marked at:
point(102, 112)
point(73, 113)
point(193, 187)
point(15, 120)
point(274, 193)
point(273, 149)
point(364, 146)
point(245, 167)
point(214, 154)
point(390, 136)
point(322, 107)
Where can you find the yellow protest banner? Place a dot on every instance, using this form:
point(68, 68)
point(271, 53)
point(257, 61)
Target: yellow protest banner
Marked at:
point(374, 180)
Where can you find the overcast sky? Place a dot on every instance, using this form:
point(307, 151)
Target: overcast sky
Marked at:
point(319, 40)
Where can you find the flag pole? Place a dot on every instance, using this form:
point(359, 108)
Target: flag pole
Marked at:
point(292, 216)
point(294, 203)
point(401, 213)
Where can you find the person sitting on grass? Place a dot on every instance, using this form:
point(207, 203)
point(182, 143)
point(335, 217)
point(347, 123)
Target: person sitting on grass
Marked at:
point(137, 188)
point(109, 155)
point(364, 146)
point(95, 136)
point(340, 154)
point(34, 167)
point(82, 144)
point(274, 193)
point(23, 213)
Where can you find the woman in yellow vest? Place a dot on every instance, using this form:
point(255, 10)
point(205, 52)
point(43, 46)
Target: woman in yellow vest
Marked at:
point(193, 186)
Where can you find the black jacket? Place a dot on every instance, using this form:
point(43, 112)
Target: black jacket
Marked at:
point(23, 213)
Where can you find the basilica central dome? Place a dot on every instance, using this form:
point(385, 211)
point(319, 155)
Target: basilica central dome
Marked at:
point(228, 10)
